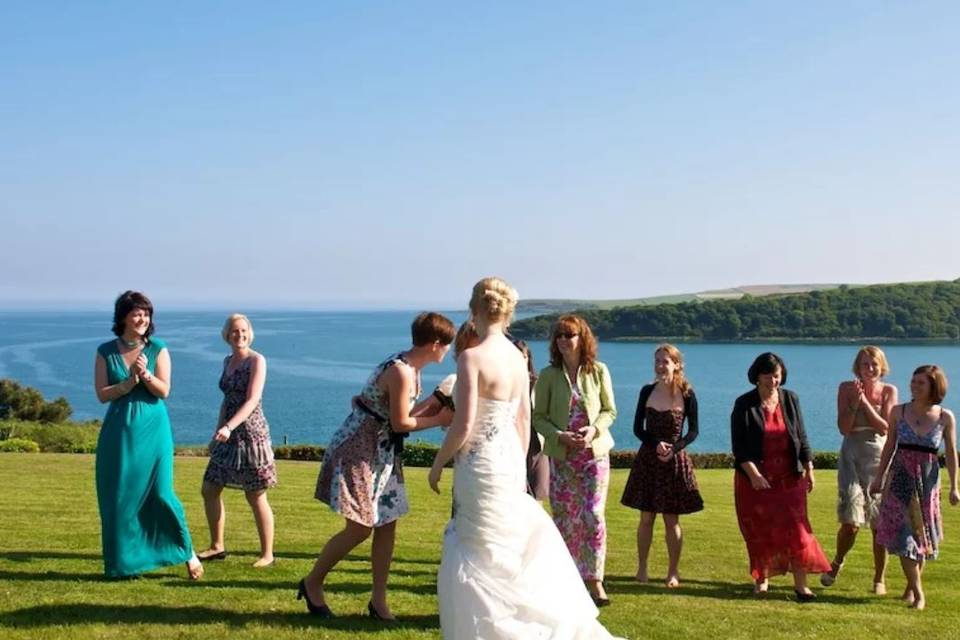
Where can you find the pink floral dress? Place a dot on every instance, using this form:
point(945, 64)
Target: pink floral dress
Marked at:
point(578, 498)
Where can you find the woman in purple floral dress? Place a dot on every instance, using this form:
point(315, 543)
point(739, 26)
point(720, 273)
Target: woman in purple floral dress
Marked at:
point(241, 455)
point(910, 524)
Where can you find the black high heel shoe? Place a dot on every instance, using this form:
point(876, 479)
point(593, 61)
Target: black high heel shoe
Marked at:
point(805, 597)
point(376, 614)
point(319, 610)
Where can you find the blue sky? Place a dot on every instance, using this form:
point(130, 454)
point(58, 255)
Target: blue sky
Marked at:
point(321, 154)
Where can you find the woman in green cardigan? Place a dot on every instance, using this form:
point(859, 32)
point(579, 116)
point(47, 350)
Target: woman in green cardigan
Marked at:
point(574, 412)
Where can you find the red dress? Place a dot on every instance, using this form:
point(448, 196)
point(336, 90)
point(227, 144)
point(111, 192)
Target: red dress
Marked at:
point(774, 521)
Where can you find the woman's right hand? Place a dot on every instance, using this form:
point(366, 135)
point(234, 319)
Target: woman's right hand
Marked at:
point(433, 478)
point(222, 434)
point(571, 440)
point(758, 482)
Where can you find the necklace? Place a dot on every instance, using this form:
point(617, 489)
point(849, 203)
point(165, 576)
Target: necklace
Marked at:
point(130, 344)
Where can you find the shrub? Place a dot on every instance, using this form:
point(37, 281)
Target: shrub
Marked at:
point(67, 437)
point(299, 452)
point(26, 403)
point(19, 445)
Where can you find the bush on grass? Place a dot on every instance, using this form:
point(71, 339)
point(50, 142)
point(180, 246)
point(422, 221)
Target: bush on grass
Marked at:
point(19, 445)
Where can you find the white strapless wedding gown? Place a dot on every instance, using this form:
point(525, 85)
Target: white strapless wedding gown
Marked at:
point(505, 570)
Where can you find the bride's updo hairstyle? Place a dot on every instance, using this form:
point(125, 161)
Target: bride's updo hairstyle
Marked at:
point(494, 300)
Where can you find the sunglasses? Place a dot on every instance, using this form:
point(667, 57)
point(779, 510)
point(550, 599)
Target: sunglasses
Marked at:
point(569, 335)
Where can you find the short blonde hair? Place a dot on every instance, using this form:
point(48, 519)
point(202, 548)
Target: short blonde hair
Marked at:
point(877, 354)
point(233, 317)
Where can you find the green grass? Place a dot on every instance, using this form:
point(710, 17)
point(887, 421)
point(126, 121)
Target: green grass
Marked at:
point(51, 584)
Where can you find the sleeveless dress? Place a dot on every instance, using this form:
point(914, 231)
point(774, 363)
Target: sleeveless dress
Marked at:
point(774, 521)
point(505, 572)
point(910, 525)
point(361, 476)
point(578, 498)
point(857, 467)
point(662, 487)
point(142, 521)
point(245, 461)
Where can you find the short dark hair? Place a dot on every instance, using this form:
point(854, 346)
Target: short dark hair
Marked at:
point(938, 381)
point(767, 363)
point(127, 302)
point(432, 327)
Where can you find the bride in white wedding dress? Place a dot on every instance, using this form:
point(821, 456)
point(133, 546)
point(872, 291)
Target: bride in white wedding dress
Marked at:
point(505, 570)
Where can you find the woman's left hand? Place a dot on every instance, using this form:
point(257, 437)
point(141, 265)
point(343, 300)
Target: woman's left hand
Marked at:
point(139, 367)
point(954, 497)
point(808, 476)
point(666, 453)
point(222, 434)
point(588, 433)
point(434, 478)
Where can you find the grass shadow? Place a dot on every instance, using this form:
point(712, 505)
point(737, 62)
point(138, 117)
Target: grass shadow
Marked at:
point(56, 615)
point(27, 556)
point(717, 590)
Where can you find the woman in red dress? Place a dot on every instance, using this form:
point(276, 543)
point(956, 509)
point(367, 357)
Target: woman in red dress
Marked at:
point(774, 473)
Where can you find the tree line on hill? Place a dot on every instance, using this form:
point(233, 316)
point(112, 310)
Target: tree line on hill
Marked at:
point(922, 311)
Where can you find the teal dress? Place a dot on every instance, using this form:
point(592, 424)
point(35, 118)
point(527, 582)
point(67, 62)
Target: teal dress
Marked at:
point(142, 521)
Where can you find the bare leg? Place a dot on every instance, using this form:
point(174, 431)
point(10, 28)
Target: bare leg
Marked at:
point(912, 570)
point(674, 537)
point(263, 515)
point(644, 538)
point(334, 551)
point(800, 582)
point(381, 555)
point(216, 517)
point(879, 567)
point(846, 536)
point(596, 589)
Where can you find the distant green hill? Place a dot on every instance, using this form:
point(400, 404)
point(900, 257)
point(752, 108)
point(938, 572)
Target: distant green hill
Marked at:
point(560, 305)
point(909, 311)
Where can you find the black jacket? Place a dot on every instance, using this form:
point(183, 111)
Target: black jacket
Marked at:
point(689, 412)
point(746, 429)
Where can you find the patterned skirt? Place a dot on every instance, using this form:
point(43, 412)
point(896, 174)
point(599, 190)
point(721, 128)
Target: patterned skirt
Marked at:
point(361, 478)
point(910, 525)
point(578, 499)
point(858, 465)
point(245, 461)
point(662, 487)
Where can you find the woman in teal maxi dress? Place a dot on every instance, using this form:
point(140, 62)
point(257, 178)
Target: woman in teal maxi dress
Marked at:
point(142, 520)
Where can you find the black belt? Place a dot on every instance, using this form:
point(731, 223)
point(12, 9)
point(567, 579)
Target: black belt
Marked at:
point(395, 438)
point(918, 447)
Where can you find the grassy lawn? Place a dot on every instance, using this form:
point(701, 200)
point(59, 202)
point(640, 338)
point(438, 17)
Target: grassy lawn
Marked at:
point(51, 583)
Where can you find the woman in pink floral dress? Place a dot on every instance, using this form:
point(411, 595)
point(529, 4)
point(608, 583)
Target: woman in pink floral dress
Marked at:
point(574, 411)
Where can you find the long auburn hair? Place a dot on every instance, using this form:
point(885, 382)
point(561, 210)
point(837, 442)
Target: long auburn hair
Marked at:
point(680, 383)
point(573, 323)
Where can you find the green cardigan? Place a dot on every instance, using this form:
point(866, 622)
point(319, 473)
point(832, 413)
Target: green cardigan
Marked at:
point(551, 411)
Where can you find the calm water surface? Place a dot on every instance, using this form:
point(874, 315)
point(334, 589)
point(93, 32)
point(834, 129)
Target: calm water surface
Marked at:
point(318, 360)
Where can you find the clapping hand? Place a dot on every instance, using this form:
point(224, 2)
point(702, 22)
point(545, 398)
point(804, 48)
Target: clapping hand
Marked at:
point(139, 367)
